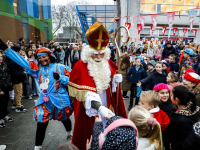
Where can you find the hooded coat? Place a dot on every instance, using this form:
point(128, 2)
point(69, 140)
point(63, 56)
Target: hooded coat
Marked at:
point(121, 138)
point(168, 51)
point(126, 84)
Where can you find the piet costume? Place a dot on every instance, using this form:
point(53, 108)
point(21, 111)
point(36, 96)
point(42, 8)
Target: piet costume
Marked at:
point(91, 80)
point(53, 101)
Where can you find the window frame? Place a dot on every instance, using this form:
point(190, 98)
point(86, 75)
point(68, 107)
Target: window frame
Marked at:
point(182, 14)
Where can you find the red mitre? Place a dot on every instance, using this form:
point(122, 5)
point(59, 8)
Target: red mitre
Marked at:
point(97, 36)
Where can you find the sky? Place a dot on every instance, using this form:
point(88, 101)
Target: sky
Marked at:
point(94, 2)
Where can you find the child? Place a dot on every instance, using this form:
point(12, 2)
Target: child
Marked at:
point(149, 58)
point(150, 137)
point(158, 52)
point(173, 65)
point(138, 73)
point(181, 119)
point(165, 102)
point(150, 67)
point(172, 81)
point(190, 61)
point(120, 138)
point(165, 66)
point(158, 76)
point(150, 101)
point(125, 65)
point(191, 81)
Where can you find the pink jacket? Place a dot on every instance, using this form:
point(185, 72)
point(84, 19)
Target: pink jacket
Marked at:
point(158, 52)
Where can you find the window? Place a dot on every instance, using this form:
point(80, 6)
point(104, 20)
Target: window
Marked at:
point(150, 8)
point(16, 7)
point(142, 7)
point(178, 8)
point(162, 6)
point(40, 7)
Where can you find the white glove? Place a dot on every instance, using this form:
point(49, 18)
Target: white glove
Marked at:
point(105, 111)
point(116, 79)
point(90, 96)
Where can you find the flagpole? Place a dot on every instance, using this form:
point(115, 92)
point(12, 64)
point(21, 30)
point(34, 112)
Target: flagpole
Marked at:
point(169, 34)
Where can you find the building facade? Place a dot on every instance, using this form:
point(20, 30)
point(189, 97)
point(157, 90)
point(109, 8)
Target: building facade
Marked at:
point(88, 14)
point(30, 19)
point(146, 7)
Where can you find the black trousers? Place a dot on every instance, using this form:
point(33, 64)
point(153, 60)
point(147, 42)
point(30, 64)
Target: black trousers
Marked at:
point(4, 104)
point(26, 87)
point(125, 93)
point(133, 95)
point(41, 130)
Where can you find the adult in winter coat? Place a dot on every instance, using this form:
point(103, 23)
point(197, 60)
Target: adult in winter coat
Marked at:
point(168, 50)
point(18, 75)
point(5, 87)
point(181, 119)
point(126, 84)
point(192, 142)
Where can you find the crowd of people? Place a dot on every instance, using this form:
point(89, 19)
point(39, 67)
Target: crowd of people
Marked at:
point(162, 78)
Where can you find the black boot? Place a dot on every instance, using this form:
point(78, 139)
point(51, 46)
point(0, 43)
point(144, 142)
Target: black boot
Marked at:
point(136, 100)
point(131, 104)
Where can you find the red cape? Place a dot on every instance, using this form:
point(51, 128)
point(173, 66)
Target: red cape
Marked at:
point(79, 84)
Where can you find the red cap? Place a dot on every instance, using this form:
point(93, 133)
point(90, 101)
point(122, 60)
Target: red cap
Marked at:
point(193, 77)
point(189, 70)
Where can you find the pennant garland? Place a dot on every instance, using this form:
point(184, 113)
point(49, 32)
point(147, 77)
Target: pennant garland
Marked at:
point(139, 26)
point(152, 29)
point(142, 20)
point(194, 31)
point(170, 18)
point(154, 21)
point(184, 31)
point(192, 14)
point(128, 25)
point(164, 30)
point(174, 31)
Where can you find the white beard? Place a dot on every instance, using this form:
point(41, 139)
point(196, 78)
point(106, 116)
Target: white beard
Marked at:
point(100, 71)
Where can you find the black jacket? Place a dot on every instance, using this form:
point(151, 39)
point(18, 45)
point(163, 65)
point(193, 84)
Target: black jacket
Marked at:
point(154, 79)
point(135, 76)
point(178, 130)
point(168, 51)
point(167, 107)
point(16, 72)
point(192, 142)
point(174, 67)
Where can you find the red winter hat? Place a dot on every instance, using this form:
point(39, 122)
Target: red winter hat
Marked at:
point(188, 70)
point(193, 77)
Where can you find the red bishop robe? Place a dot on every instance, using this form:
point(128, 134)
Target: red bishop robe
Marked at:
point(80, 83)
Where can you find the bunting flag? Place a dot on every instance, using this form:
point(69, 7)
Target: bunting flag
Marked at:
point(139, 26)
point(123, 20)
point(117, 19)
point(184, 31)
point(154, 21)
point(132, 20)
point(174, 31)
point(192, 14)
point(164, 30)
point(135, 40)
point(142, 20)
point(170, 18)
point(194, 31)
point(131, 39)
point(152, 29)
point(128, 25)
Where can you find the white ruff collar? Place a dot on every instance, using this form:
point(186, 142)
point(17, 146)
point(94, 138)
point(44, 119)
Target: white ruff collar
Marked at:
point(154, 110)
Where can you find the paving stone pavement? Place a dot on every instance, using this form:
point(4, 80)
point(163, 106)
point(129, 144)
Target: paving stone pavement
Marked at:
point(20, 134)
